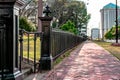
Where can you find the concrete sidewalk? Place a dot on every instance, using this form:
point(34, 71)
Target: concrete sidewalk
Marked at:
point(91, 62)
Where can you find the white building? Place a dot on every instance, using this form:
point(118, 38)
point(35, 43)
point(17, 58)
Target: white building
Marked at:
point(108, 17)
point(95, 33)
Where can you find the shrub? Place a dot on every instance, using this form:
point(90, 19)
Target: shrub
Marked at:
point(112, 32)
point(109, 35)
point(54, 24)
point(69, 26)
point(28, 26)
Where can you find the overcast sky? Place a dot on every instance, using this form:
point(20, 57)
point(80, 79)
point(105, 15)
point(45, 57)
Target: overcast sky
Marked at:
point(94, 7)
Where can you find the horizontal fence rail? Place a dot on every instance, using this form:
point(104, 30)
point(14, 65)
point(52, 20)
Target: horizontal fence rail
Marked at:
point(62, 41)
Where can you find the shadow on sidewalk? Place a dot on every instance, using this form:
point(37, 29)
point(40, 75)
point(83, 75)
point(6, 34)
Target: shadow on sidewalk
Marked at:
point(89, 62)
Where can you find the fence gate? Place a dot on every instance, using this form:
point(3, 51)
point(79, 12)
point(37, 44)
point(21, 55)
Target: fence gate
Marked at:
point(28, 49)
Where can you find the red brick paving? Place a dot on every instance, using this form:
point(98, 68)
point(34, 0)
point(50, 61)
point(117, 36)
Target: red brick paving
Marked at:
point(91, 62)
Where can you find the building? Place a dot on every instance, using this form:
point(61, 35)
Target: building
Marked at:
point(95, 33)
point(83, 30)
point(108, 17)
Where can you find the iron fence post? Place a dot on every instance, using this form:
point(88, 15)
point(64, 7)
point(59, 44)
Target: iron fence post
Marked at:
point(35, 38)
point(46, 57)
point(21, 48)
point(9, 17)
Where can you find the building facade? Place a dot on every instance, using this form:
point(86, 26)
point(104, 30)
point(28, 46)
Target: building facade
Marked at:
point(108, 17)
point(95, 34)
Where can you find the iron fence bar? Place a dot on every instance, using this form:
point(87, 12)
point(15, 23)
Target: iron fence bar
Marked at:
point(21, 48)
point(41, 39)
point(28, 50)
point(3, 51)
point(35, 53)
point(1, 56)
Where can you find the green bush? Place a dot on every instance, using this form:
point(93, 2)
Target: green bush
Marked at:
point(69, 26)
point(109, 35)
point(54, 24)
point(24, 24)
point(112, 32)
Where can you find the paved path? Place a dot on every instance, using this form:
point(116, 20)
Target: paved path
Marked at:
point(91, 62)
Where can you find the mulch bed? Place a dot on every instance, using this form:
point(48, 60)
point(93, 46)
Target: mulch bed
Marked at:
point(116, 44)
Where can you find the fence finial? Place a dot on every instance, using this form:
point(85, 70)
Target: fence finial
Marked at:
point(47, 11)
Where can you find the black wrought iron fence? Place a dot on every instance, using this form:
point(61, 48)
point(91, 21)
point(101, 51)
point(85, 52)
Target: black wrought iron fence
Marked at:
point(62, 41)
point(30, 43)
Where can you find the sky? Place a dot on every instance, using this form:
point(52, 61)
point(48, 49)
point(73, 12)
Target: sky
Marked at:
point(93, 8)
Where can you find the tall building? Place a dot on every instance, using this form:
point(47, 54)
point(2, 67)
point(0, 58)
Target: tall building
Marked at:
point(108, 17)
point(95, 34)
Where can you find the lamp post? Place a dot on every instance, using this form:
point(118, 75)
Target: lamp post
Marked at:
point(116, 23)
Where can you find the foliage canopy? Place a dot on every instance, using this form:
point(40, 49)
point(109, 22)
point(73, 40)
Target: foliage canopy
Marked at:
point(69, 26)
point(75, 11)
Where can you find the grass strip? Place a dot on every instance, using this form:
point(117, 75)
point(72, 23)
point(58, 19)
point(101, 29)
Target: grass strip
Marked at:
point(114, 50)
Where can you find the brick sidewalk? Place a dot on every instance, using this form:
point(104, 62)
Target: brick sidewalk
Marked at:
point(91, 62)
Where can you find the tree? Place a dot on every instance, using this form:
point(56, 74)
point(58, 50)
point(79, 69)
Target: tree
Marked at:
point(65, 10)
point(29, 8)
point(78, 13)
point(58, 8)
point(28, 12)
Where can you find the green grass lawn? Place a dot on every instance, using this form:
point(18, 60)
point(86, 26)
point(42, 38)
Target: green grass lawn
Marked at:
point(114, 50)
point(31, 47)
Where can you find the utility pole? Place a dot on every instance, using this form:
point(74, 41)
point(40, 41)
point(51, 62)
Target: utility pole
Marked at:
point(40, 8)
point(116, 23)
